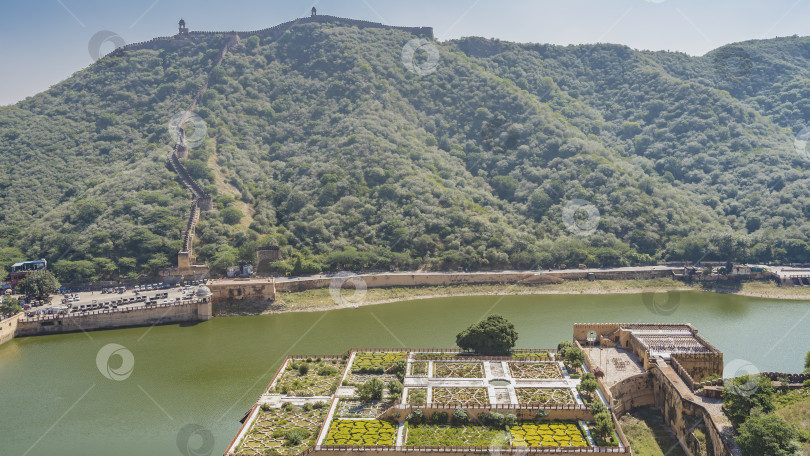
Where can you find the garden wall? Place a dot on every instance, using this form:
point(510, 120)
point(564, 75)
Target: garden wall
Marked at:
point(572, 412)
point(119, 318)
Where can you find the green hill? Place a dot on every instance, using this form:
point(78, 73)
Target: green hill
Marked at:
point(321, 141)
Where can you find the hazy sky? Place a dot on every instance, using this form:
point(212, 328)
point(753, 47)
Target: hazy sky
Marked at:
point(44, 41)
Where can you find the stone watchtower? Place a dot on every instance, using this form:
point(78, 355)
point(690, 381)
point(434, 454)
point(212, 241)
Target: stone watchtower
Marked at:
point(182, 30)
point(314, 12)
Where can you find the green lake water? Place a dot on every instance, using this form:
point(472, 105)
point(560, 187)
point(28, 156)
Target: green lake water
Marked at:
point(55, 400)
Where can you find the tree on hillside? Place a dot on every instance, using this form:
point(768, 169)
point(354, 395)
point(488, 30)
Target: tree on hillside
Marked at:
point(807, 362)
point(38, 284)
point(493, 336)
point(9, 306)
point(743, 394)
point(767, 435)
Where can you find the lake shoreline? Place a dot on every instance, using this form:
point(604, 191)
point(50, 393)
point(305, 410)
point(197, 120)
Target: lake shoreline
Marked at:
point(320, 300)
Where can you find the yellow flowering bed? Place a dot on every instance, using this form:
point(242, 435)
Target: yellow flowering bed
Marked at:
point(564, 434)
point(361, 432)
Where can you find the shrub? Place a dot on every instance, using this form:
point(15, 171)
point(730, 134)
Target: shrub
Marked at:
point(598, 407)
point(307, 406)
point(493, 419)
point(588, 384)
point(439, 418)
point(303, 369)
point(287, 406)
point(509, 419)
point(398, 369)
point(395, 388)
point(371, 390)
point(460, 416)
point(604, 425)
point(806, 383)
point(319, 405)
point(562, 347)
point(541, 414)
point(417, 396)
point(295, 436)
point(327, 370)
point(415, 417)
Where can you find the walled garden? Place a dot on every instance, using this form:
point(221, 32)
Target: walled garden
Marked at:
point(361, 432)
point(314, 378)
point(535, 370)
point(458, 370)
point(417, 396)
point(460, 396)
point(545, 396)
point(566, 434)
point(447, 435)
point(375, 362)
point(286, 430)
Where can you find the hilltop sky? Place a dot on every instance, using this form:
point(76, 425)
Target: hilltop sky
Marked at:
point(45, 41)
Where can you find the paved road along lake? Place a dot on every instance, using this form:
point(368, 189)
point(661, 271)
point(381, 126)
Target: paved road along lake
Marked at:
point(54, 398)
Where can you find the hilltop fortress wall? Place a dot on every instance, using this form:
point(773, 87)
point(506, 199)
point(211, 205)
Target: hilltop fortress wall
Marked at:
point(271, 32)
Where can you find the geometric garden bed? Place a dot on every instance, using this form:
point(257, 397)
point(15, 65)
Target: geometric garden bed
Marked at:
point(545, 396)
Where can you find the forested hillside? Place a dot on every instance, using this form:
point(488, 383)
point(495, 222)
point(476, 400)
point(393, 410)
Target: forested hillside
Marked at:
point(322, 142)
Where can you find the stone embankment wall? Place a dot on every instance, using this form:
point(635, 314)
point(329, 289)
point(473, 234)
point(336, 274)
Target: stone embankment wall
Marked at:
point(8, 327)
point(118, 318)
point(266, 289)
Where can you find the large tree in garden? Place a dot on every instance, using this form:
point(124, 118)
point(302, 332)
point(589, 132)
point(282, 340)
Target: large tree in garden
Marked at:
point(493, 336)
